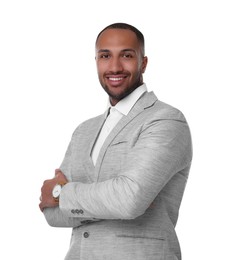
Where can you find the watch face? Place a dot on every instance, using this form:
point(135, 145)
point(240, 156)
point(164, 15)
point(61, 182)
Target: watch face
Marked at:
point(56, 191)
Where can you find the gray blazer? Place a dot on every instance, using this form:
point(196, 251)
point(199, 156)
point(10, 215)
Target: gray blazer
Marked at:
point(126, 207)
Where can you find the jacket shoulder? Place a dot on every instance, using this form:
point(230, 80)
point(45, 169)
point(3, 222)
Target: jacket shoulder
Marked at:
point(162, 110)
point(89, 124)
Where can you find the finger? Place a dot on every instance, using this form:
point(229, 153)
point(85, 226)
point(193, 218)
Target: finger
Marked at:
point(57, 171)
point(41, 207)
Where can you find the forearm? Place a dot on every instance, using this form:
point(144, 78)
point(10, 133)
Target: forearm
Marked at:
point(56, 218)
point(114, 199)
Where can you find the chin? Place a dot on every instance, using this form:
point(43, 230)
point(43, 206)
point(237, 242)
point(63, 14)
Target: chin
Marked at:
point(119, 96)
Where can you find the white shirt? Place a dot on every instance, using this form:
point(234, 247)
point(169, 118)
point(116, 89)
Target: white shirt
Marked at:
point(122, 108)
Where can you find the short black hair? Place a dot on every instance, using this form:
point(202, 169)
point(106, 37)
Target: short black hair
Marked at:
point(126, 26)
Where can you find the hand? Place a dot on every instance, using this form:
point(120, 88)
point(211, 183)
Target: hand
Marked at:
point(46, 198)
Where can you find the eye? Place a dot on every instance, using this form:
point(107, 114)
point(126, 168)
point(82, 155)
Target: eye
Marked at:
point(127, 55)
point(104, 56)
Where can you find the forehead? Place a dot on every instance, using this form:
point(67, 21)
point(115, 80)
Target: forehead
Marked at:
point(117, 38)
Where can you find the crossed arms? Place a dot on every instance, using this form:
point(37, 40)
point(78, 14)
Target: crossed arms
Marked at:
point(162, 149)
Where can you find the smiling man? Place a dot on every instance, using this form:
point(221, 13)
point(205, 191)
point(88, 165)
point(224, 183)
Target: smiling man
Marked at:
point(122, 179)
point(120, 62)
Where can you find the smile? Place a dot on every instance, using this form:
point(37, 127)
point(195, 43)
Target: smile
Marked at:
point(115, 79)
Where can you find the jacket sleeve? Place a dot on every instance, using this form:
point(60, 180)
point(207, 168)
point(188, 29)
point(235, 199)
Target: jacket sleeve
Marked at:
point(162, 149)
point(54, 216)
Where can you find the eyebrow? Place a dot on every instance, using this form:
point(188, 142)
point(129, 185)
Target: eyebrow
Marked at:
point(103, 50)
point(106, 50)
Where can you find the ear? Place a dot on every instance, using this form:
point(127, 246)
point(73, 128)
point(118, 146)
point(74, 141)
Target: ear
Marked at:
point(144, 64)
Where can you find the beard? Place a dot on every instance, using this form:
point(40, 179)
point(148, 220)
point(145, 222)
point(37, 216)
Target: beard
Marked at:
point(119, 96)
point(123, 93)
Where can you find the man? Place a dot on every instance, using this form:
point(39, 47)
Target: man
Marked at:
point(123, 176)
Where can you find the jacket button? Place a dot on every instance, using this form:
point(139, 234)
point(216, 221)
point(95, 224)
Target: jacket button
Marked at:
point(86, 234)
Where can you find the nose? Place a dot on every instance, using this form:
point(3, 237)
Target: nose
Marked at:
point(115, 65)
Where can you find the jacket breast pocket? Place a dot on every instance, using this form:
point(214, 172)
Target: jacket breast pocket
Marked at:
point(119, 143)
point(118, 148)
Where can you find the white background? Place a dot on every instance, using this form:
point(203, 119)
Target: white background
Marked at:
point(48, 85)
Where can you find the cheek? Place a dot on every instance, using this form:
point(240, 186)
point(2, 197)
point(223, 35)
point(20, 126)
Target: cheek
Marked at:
point(101, 66)
point(136, 70)
point(133, 68)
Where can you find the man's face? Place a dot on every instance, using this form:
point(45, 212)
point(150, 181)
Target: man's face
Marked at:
point(120, 64)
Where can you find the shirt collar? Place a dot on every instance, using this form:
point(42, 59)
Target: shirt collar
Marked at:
point(125, 105)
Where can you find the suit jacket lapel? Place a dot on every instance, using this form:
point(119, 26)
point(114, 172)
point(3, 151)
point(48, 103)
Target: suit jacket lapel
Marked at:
point(94, 132)
point(91, 137)
point(144, 102)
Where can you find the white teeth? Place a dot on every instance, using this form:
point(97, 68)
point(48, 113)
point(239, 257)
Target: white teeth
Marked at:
point(115, 79)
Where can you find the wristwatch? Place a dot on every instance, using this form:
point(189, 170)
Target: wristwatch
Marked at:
point(57, 191)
